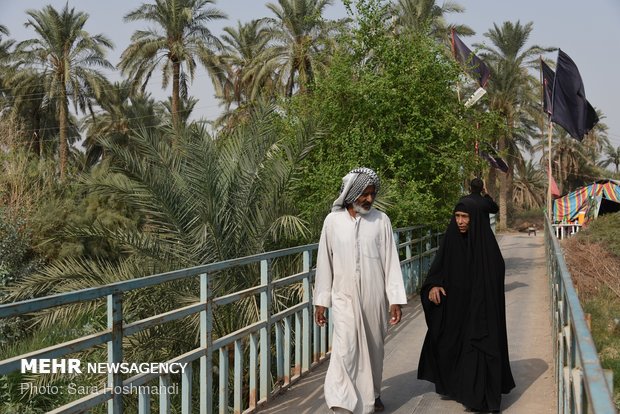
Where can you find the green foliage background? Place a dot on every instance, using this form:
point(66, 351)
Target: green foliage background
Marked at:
point(388, 103)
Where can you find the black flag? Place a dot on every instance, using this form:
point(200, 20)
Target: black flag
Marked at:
point(501, 164)
point(495, 161)
point(547, 85)
point(591, 117)
point(473, 64)
point(489, 159)
point(570, 107)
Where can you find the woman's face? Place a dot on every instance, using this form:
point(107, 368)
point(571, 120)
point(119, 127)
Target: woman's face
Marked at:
point(462, 221)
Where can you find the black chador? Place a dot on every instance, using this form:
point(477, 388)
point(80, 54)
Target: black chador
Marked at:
point(465, 352)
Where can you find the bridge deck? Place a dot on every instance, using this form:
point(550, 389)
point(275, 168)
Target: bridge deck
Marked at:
point(529, 341)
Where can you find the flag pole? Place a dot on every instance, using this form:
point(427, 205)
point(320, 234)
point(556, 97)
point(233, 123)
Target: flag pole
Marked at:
point(549, 172)
point(550, 133)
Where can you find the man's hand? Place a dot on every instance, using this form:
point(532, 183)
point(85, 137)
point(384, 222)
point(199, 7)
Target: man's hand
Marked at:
point(319, 315)
point(395, 314)
point(435, 296)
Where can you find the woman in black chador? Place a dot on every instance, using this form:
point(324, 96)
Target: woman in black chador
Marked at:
point(465, 352)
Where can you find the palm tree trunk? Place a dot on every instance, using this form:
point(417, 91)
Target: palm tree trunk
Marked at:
point(63, 121)
point(503, 191)
point(37, 148)
point(291, 80)
point(491, 183)
point(510, 161)
point(176, 79)
point(509, 187)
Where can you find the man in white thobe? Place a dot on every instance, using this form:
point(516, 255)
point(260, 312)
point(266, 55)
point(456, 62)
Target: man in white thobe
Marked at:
point(357, 274)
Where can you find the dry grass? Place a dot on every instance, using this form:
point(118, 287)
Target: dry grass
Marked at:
point(592, 267)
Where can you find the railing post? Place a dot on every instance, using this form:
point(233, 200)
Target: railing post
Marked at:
point(420, 256)
point(186, 389)
point(164, 397)
point(238, 379)
point(115, 351)
point(298, 335)
point(206, 342)
point(144, 402)
point(287, 350)
point(279, 352)
point(428, 246)
point(411, 283)
point(306, 313)
point(252, 380)
point(265, 332)
point(223, 381)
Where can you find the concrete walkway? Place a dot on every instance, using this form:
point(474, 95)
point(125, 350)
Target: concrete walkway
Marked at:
point(529, 341)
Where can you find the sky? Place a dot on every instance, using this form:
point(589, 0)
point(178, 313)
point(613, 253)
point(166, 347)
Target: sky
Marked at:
point(582, 29)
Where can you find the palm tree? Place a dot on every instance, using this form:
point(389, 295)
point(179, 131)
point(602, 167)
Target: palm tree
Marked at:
point(67, 55)
point(27, 98)
point(597, 139)
point(4, 45)
point(568, 158)
point(181, 35)
point(5, 50)
point(301, 37)
point(122, 111)
point(248, 67)
point(510, 90)
point(613, 157)
point(186, 107)
point(208, 200)
point(426, 14)
point(530, 185)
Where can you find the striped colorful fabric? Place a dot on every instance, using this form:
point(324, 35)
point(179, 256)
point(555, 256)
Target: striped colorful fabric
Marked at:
point(583, 199)
point(611, 190)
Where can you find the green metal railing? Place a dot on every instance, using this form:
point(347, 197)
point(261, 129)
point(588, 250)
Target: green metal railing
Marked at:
point(583, 386)
point(266, 356)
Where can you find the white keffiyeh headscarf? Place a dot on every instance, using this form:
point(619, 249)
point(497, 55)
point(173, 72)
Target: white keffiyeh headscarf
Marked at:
point(354, 184)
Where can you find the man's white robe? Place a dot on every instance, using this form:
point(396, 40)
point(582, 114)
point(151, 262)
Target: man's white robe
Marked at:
point(357, 274)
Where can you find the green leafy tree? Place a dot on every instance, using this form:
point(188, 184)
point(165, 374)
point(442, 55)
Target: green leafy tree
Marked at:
point(388, 102)
point(68, 55)
point(180, 37)
point(17, 258)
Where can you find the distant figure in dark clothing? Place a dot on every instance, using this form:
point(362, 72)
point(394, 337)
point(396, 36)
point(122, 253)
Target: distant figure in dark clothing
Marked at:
point(465, 352)
point(478, 193)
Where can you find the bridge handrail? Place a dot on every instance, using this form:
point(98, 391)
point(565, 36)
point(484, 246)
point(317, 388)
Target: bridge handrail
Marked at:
point(292, 328)
point(37, 304)
point(577, 366)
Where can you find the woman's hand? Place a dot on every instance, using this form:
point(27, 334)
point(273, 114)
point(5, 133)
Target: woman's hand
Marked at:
point(434, 295)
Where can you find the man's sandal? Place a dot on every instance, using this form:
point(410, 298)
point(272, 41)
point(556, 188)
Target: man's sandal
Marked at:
point(379, 405)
